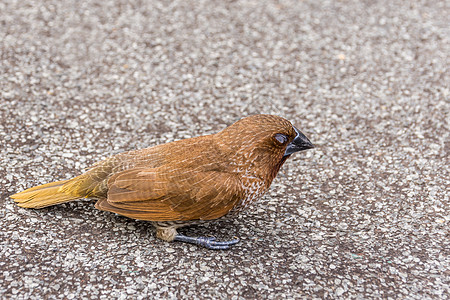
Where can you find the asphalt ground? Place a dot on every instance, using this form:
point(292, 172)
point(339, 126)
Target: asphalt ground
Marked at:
point(363, 215)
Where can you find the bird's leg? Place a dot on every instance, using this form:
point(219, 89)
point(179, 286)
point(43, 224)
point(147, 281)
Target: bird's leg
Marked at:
point(207, 242)
point(169, 233)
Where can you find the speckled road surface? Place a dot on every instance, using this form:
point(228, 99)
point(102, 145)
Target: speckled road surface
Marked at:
point(363, 215)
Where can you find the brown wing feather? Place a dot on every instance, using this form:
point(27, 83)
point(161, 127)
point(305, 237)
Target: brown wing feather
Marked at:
point(159, 194)
point(161, 211)
point(136, 185)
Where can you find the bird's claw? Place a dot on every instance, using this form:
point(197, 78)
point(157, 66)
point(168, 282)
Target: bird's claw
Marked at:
point(207, 242)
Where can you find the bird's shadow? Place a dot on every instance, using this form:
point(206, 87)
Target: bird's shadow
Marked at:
point(107, 225)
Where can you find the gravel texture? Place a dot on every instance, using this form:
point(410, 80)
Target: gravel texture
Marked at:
point(364, 215)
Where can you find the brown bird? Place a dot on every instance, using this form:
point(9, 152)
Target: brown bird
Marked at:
point(186, 181)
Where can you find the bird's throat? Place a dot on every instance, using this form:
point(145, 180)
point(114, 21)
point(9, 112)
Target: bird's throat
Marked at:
point(277, 167)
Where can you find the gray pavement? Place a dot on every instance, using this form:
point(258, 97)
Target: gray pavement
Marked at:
point(364, 215)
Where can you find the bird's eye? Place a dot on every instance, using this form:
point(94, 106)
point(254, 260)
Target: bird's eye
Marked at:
point(281, 138)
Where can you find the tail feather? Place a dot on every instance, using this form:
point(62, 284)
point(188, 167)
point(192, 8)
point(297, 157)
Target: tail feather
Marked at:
point(44, 195)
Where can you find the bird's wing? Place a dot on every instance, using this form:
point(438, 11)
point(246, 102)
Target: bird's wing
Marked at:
point(159, 194)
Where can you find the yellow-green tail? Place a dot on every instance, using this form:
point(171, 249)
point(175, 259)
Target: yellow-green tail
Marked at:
point(45, 195)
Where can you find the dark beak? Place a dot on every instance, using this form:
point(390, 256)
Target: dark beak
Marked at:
point(299, 143)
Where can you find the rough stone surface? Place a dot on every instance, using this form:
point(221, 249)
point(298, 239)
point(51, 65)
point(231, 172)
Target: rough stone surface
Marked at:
point(364, 215)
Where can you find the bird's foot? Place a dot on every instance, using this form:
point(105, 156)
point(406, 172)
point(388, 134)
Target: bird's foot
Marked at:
point(207, 242)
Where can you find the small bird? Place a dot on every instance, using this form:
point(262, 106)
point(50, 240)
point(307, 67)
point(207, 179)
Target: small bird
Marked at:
point(183, 182)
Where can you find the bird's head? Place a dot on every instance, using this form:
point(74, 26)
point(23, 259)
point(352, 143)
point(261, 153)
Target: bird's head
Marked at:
point(262, 142)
